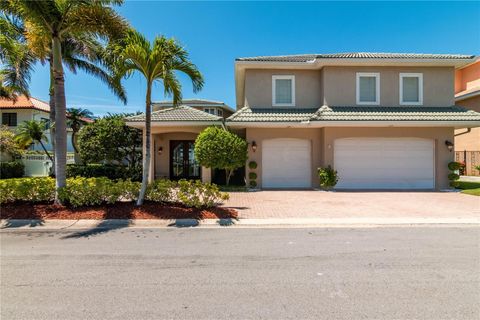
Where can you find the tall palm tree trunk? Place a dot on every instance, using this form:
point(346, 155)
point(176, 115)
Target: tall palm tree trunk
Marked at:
point(146, 160)
point(52, 112)
point(60, 117)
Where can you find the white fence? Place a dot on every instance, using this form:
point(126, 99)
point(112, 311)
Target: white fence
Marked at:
point(38, 165)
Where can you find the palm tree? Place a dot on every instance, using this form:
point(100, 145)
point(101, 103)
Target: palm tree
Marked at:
point(32, 131)
point(76, 119)
point(59, 20)
point(157, 61)
point(16, 59)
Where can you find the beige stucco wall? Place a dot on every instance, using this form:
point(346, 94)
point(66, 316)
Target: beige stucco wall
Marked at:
point(469, 141)
point(322, 140)
point(340, 85)
point(258, 87)
point(260, 134)
point(336, 86)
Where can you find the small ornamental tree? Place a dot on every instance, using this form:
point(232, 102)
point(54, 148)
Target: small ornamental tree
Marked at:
point(110, 140)
point(218, 148)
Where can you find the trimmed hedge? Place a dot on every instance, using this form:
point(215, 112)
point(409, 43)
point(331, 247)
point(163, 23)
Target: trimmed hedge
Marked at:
point(252, 165)
point(109, 171)
point(27, 189)
point(12, 169)
point(82, 191)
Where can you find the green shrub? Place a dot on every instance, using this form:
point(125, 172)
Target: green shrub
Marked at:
point(252, 165)
point(453, 176)
point(477, 167)
point(12, 169)
point(454, 183)
point(253, 183)
point(27, 189)
point(328, 177)
point(82, 191)
point(160, 191)
point(252, 175)
point(113, 172)
point(454, 166)
point(196, 194)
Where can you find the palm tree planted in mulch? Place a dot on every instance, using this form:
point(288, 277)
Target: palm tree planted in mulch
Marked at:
point(59, 20)
point(32, 131)
point(156, 62)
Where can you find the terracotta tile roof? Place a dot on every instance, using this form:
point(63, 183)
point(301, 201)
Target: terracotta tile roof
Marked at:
point(181, 113)
point(355, 113)
point(23, 102)
point(354, 55)
point(29, 103)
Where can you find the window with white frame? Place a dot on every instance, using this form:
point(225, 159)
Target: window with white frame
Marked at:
point(411, 88)
point(214, 111)
point(368, 88)
point(283, 91)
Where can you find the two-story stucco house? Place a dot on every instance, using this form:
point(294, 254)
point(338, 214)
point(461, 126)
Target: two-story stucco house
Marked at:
point(383, 121)
point(13, 113)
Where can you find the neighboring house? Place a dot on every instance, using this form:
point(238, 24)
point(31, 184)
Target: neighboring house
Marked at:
point(382, 120)
point(467, 94)
point(23, 109)
point(174, 131)
point(216, 108)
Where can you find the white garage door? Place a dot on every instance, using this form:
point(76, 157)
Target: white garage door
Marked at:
point(286, 163)
point(384, 163)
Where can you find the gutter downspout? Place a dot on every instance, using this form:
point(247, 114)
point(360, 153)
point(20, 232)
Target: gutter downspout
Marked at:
point(459, 134)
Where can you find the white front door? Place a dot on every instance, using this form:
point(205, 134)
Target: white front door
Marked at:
point(385, 163)
point(286, 163)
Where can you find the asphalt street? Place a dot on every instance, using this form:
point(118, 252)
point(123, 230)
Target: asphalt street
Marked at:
point(234, 273)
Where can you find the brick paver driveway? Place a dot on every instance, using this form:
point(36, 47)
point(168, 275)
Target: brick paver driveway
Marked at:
point(320, 204)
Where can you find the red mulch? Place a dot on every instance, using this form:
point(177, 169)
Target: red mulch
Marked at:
point(119, 210)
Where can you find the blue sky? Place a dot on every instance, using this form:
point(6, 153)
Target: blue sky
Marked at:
point(215, 33)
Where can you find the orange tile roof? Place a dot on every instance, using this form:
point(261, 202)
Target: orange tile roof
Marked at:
point(23, 102)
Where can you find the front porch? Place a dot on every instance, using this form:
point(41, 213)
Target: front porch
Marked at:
point(173, 155)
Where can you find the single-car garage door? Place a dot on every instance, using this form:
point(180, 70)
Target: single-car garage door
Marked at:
point(385, 163)
point(286, 163)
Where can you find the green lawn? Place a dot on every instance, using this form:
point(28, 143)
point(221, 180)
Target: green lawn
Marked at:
point(472, 188)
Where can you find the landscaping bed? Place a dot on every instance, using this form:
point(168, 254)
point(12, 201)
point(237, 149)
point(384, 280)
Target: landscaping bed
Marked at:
point(118, 210)
point(468, 187)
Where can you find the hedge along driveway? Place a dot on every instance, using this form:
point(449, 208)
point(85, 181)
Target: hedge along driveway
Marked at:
point(321, 204)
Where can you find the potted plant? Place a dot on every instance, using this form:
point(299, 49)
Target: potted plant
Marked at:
point(328, 178)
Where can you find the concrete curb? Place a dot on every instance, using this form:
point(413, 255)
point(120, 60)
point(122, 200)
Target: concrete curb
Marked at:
point(242, 223)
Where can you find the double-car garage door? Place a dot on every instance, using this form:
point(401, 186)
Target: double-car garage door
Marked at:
point(362, 163)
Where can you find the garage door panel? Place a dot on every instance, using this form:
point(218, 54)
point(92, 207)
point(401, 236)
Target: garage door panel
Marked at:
point(286, 163)
point(384, 163)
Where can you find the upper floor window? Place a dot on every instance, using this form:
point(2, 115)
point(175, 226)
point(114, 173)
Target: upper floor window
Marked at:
point(411, 88)
point(9, 119)
point(214, 111)
point(283, 91)
point(368, 88)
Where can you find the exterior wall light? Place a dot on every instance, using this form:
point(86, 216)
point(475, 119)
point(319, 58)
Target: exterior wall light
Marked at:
point(449, 145)
point(160, 150)
point(254, 146)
